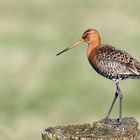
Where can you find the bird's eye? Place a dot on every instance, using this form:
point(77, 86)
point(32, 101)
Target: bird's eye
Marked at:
point(85, 35)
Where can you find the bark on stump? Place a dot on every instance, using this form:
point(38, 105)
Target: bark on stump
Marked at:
point(109, 130)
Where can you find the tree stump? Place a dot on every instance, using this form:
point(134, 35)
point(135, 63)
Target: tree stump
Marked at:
point(100, 130)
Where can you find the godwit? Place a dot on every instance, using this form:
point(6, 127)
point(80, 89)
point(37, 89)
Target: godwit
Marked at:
point(109, 62)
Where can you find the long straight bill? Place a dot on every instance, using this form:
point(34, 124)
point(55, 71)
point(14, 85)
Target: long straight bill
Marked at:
point(78, 42)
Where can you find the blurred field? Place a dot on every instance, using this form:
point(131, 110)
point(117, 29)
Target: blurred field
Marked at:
point(38, 89)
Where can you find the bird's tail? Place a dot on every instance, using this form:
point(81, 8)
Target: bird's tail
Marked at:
point(134, 76)
point(138, 68)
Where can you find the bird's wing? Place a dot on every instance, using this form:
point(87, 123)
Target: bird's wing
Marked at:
point(117, 61)
point(116, 67)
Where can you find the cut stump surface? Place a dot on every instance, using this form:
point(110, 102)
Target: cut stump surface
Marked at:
point(100, 130)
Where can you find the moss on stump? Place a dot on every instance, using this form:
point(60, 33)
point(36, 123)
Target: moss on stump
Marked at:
point(100, 130)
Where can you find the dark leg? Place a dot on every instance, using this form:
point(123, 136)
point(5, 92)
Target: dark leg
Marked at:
point(117, 93)
point(121, 99)
point(111, 107)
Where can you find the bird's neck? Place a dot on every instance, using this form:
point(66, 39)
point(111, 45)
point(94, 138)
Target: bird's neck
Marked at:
point(93, 46)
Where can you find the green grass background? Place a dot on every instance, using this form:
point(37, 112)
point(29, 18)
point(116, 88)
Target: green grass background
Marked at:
point(38, 89)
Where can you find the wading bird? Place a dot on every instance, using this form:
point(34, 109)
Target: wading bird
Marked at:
point(109, 62)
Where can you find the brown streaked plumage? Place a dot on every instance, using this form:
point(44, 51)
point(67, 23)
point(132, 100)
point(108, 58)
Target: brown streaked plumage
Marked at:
point(109, 62)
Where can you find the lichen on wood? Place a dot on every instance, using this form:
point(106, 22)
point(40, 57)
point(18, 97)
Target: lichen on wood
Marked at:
point(100, 130)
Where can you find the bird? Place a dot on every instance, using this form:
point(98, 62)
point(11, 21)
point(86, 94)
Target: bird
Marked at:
point(110, 62)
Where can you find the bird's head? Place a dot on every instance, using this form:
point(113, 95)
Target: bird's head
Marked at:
point(89, 36)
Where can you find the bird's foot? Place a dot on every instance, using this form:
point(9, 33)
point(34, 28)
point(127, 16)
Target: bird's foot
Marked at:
point(119, 121)
point(107, 119)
